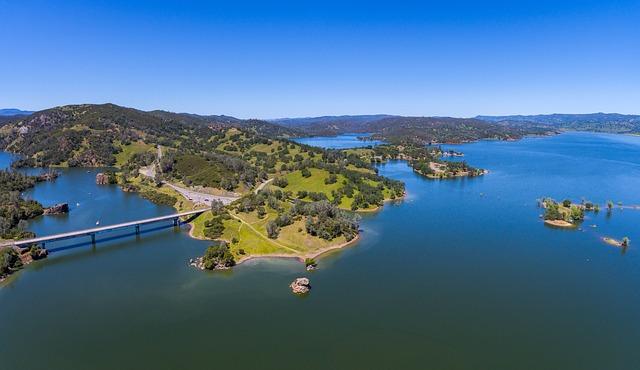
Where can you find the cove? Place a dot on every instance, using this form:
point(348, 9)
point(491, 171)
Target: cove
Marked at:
point(460, 274)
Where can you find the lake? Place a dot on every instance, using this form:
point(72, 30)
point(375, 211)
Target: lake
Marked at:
point(344, 141)
point(461, 274)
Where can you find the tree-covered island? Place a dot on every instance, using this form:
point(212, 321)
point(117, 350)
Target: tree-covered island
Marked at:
point(565, 213)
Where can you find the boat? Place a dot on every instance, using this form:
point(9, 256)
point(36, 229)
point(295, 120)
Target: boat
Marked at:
point(97, 222)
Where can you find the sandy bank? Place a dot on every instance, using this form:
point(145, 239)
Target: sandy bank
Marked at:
point(559, 223)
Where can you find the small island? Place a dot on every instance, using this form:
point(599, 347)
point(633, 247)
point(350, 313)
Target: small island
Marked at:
point(624, 243)
point(563, 214)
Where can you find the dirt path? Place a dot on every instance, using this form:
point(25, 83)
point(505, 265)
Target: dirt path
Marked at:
point(262, 235)
point(261, 186)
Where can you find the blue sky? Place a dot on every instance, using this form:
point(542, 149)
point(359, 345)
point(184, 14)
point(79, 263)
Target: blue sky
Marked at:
point(307, 58)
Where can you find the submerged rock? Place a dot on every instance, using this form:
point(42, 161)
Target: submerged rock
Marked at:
point(300, 286)
point(57, 209)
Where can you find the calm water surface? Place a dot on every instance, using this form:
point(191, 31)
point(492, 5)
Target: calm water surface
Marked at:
point(339, 142)
point(462, 274)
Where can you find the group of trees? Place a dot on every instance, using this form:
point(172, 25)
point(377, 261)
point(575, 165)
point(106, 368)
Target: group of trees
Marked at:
point(213, 170)
point(565, 211)
point(9, 261)
point(218, 256)
point(327, 221)
point(14, 210)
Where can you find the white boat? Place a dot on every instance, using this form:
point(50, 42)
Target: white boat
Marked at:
point(97, 222)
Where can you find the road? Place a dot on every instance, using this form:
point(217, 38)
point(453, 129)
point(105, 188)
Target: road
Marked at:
point(192, 195)
point(200, 198)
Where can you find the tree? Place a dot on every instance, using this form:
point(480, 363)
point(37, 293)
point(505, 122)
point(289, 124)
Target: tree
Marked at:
point(625, 242)
point(272, 230)
point(576, 213)
point(566, 203)
point(280, 182)
point(217, 207)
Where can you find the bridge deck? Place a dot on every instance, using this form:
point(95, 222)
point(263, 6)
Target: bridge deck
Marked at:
point(100, 229)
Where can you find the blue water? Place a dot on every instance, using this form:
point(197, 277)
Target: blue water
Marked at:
point(345, 141)
point(462, 274)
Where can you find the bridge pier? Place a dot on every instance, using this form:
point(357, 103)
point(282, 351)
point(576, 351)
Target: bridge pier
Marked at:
point(137, 229)
point(175, 221)
point(93, 238)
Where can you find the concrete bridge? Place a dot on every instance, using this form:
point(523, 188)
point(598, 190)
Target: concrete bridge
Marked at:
point(97, 230)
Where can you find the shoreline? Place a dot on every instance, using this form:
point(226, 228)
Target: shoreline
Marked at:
point(302, 257)
point(559, 223)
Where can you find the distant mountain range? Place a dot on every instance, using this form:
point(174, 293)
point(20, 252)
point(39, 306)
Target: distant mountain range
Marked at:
point(436, 128)
point(411, 129)
point(14, 112)
point(601, 122)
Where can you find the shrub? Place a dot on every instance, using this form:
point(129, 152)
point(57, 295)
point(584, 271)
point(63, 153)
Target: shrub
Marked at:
point(310, 262)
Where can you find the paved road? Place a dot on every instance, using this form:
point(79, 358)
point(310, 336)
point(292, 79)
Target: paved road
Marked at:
point(200, 198)
point(192, 195)
point(100, 229)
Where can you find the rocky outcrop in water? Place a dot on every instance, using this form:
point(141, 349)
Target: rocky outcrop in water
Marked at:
point(197, 263)
point(102, 179)
point(300, 286)
point(57, 209)
point(47, 176)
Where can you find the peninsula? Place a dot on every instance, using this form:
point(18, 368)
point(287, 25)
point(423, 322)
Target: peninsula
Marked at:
point(268, 195)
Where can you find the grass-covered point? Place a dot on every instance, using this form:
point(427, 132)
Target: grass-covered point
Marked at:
point(274, 222)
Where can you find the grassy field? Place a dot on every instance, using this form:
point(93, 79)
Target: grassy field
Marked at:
point(250, 232)
point(314, 183)
point(131, 149)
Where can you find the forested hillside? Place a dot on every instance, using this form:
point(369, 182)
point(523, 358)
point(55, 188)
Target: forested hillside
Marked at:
point(415, 130)
point(92, 135)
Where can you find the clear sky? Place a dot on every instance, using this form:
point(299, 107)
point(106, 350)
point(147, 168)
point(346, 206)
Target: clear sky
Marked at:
point(307, 58)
